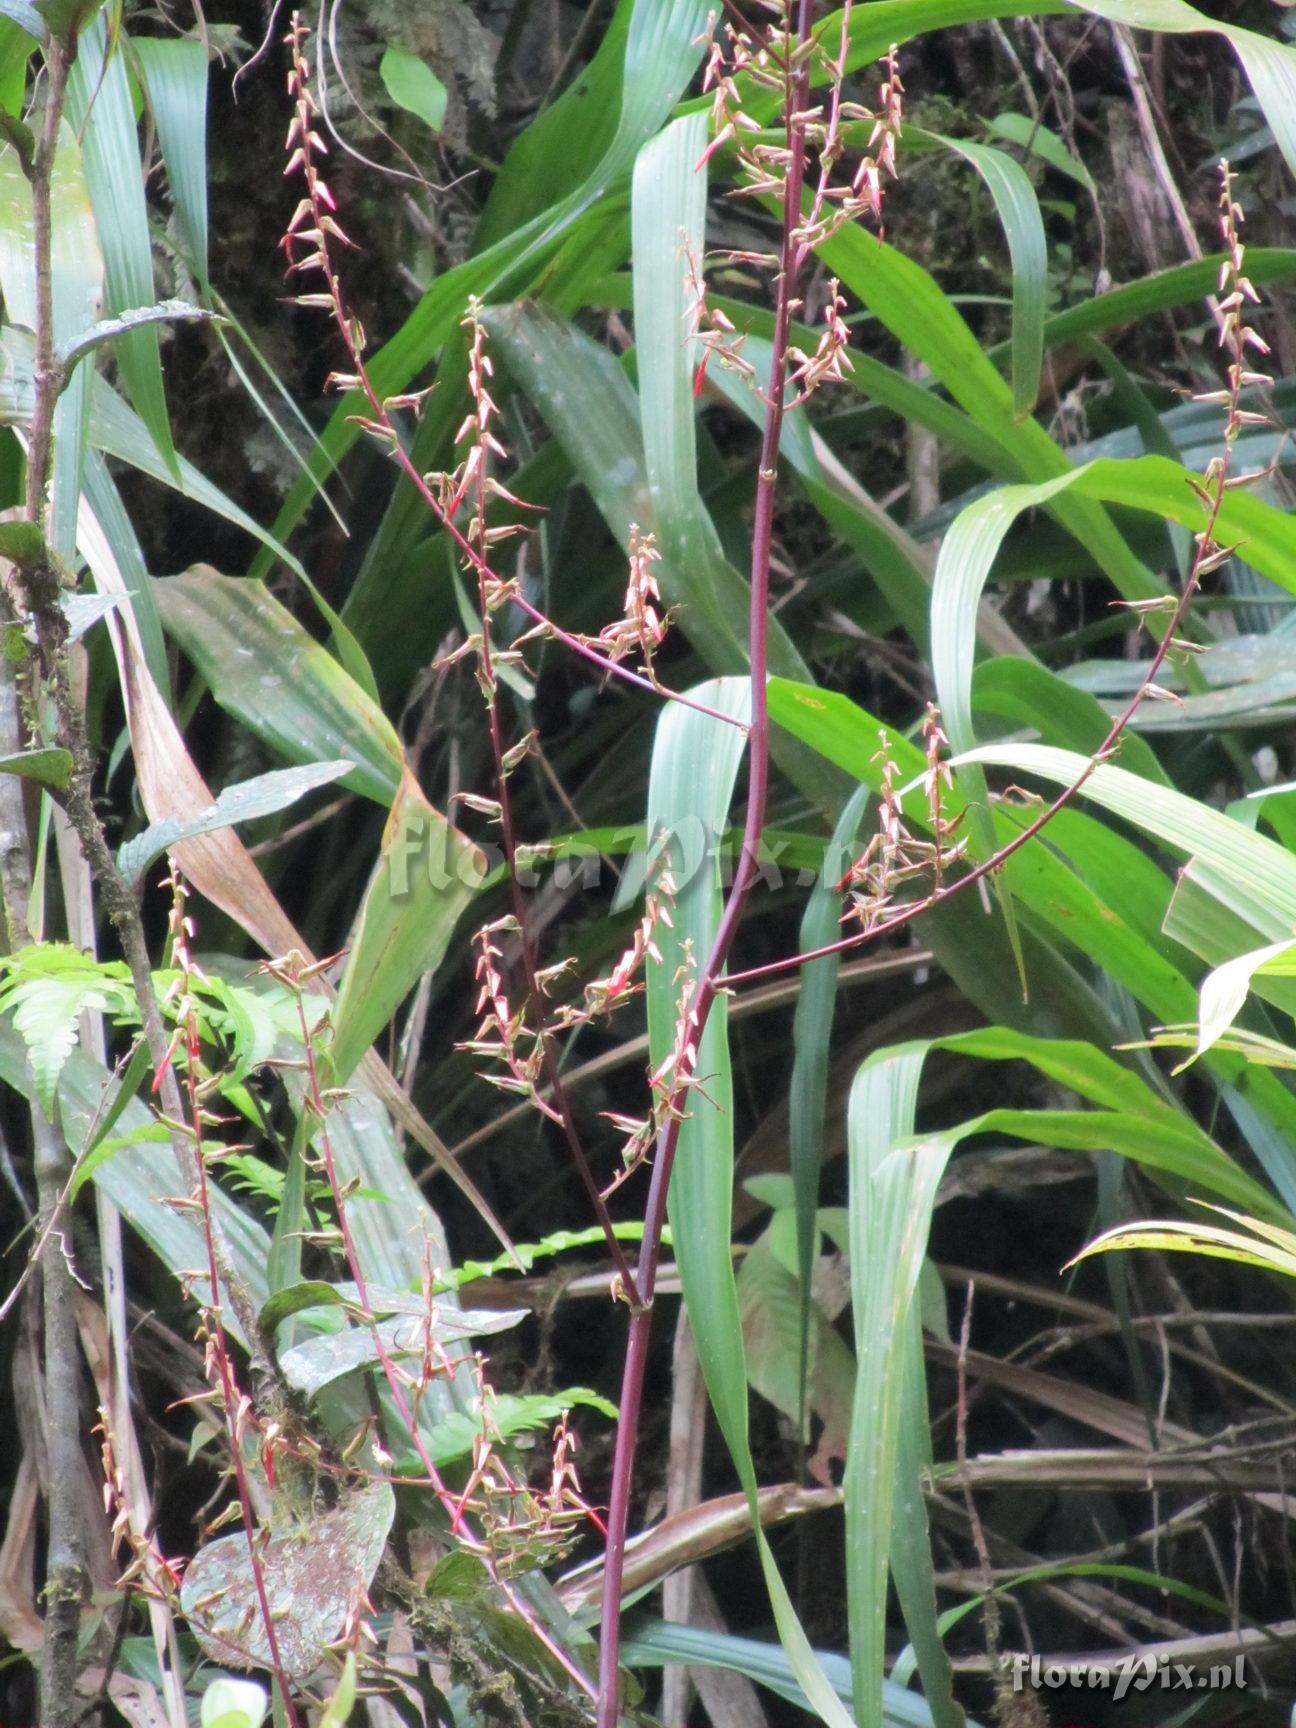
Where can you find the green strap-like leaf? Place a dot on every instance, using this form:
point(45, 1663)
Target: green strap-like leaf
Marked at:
point(174, 71)
point(77, 282)
point(99, 105)
point(1148, 483)
point(1263, 874)
point(426, 874)
point(47, 767)
point(811, 1039)
point(114, 329)
point(1019, 216)
point(892, 1190)
point(913, 307)
point(695, 762)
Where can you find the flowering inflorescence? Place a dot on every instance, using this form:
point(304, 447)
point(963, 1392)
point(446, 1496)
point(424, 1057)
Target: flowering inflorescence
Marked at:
point(313, 228)
point(894, 855)
point(778, 64)
point(643, 623)
point(1236, 293)
point(675, 1076)
point(508, 1037)
point(1237, 337)
point(472, 480)
point(148, 1570)
point(312, 232)
point(516, 1528)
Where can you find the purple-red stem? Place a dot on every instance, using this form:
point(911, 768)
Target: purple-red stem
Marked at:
point(636, 1359)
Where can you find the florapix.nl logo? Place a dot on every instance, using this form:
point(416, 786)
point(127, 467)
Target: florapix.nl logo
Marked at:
point(1133, 1673)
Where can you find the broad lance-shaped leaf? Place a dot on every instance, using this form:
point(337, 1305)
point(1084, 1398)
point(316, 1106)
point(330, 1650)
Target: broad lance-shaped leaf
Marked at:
point(912, 1568)
point(318, 1362)
point(426, 875)
point(412, 85)
point(1235, 878)
point(17, 45)
point(811, 1039)
point(174, 70)
point(106, 539)
point(669, 199)
point(694, 765)
point(1225, 989)
point(25, 16)
point(220, 867)
point(1269, 1248)
point(652, 1643)
point(99, 105)
point(1056, 894)
point(1127, 1116)
point(65, 18)
point(545, 162)
point(265, 795)
point(118, 431)
point(1035, 699)
point(70, 354)
point(1177, 286)
point(272, 675)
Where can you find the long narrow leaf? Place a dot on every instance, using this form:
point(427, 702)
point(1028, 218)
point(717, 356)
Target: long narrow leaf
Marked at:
point(695, 762)
point(174, 70)
point(1263, 872)
point(892, 1191)
point(811, 1037)
point(76, 268)
point(1019, 216)
point(99, 105)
